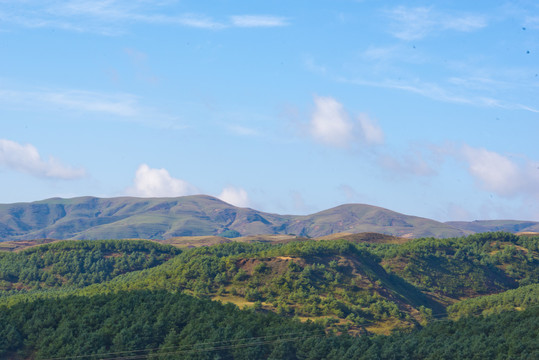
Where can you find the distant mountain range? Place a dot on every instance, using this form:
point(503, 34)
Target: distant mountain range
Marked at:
point(163, 218)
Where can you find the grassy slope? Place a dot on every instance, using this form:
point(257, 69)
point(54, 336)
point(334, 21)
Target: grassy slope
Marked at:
point(162, 218)
point(94, 218)
point(357, 218)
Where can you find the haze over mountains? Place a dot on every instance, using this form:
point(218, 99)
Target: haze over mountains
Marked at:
point(163, 218)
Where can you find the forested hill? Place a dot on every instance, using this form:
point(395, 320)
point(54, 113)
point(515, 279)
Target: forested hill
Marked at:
point(369, 286)
point(161, 325)
point(75, 264)
point(456, 298)
point(163, 218)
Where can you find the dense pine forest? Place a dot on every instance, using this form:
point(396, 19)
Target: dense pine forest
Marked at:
point(468, 297)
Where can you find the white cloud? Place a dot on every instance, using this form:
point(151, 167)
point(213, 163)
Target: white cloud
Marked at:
point(493, 171)
point(258, 21)
point(158, 183)
point(510, 177)
point(501, 175)
point(419, 22)
point(235, 196)
point(372, 132)
point(329, 123)
point(26, 158)
point(150, 182)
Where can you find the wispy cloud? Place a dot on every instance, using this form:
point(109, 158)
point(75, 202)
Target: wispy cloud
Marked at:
point(114, 104)
point(419, 22)
point(532, 22)
point(350, 195)
point(26, 158)
point(140, 63)
point(110, 17)
point(243, 131)
point(467, 23)
point(419, 159)
point(299, 205)
point(313, 67)
point(372, 132)
point(500, 174)
point(478, 79)
point(258, 21)
point(195, 21)
point(409, 163)
point(447, 93)
point(118, 106)
point(382, 53)
point(107, 12)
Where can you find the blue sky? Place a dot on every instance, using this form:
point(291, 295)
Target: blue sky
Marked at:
point(426, 108)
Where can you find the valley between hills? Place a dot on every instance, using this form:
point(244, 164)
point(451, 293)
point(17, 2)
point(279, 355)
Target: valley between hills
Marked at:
point(277, 287)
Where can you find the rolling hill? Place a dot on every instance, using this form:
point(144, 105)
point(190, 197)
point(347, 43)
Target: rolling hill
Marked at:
point(468, 297)
point(200, 215)
point(512, 226)
point(363, 285)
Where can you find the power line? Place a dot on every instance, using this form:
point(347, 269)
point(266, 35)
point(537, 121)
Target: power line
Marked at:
point(265, 340)
point(230, 344)
point(216, 348)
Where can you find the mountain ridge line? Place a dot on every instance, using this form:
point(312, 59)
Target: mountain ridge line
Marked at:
point(161, 218)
